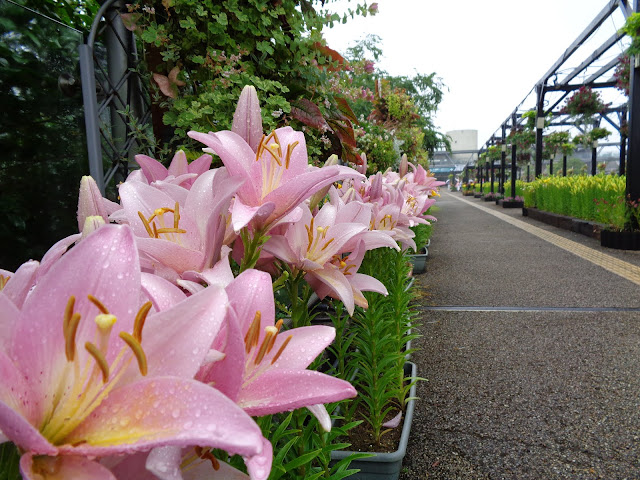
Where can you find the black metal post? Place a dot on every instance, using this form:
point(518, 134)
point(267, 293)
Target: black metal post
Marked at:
point(492, 175)
point(514, 172)
point(633, 159)
point(117, 66)
point(564, 165)
point(624, 128)
point(550, 166)
point(539, 114)
point(594, 160)
point(503, 158)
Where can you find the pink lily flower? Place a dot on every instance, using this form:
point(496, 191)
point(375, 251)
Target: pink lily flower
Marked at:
point(316, 246)
point(74, 391)
point(276, 170)
point(348, 265)
point(424, 182)
point(92, 203)
point(15, 287)
point(389, 218)
point(264, 369)
point(180, 171)
point(175, 463)
point(179, 230)
point(247, 119)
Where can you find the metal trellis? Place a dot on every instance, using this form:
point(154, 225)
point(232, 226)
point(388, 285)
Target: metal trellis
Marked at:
point(115, 96)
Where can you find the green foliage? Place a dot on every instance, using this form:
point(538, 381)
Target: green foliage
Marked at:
point(632, 28)
point(378, 144)
point(524, 137)
point(381, 333)
point(422, 233)
point(598, 198)
point(9, 462)
point(403, 106)
point(557, 142)
point(78, 14)
point(219, 47)
point(42, 139)
point(588, 138)
point(584, 104)
point(520, 186)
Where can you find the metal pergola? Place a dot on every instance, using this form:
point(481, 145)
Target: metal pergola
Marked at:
point(558, 82)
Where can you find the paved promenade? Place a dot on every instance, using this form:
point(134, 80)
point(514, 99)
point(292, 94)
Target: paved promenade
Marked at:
point(531, 347)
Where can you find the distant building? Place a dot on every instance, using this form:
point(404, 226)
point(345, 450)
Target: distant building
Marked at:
point(464, 151)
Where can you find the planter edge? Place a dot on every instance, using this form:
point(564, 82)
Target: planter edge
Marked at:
point(399, 454)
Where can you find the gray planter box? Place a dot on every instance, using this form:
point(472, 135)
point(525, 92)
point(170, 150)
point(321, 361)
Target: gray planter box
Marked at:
point(419, 261)
point(384, 466)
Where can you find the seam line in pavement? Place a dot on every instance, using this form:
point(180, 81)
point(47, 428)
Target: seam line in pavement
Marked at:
point(624, 269)
point(465, 308)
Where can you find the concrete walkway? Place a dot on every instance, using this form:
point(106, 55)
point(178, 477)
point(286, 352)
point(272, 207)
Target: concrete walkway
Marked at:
point(531, 347)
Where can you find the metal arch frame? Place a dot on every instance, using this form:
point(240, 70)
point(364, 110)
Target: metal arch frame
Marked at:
point(541, 87)
point(122, 93)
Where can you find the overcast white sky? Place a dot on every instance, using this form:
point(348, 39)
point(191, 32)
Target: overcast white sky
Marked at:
point(489, 53)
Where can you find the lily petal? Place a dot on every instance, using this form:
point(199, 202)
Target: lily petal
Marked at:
point(394, 422)
point(9, 315)
point(153, 170)
point(177, 340)
point(280, 390)
point(21, 282)
point(320, 412)
point(305, 345)
point(62, 468)
point(337, 283)
point(247, 119)
point(90, 268)
point(19, 410)
point(259, 466)
point(179, 164)
point(162, 293)
point(242, 214)
point(165, 411)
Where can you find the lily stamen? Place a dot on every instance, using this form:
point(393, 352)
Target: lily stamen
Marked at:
point(290, 148)
point(98, 304)
point(146, 225)
point(176, 216)
point(252, 335)
point(68, 312)
point(70, 330)
point(328, 243)
point(154, 231)
point(208, 455)
point(270, 334)
point(160, 231)
point(139, 321)
point(3, 281)
point(137, 350)
point(349, 267)
point(281, 349)
point(278, 326)
point(101, 362)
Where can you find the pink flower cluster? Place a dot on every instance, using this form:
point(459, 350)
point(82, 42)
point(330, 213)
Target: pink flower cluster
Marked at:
point(131, 350)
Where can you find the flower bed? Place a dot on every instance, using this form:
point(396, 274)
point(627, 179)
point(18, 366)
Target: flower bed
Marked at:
point(195, 268)
point(598, 198)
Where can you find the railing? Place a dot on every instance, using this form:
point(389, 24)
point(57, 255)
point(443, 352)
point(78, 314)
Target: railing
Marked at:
point(115, 95)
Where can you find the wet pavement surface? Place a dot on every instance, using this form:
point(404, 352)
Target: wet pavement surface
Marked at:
point(547, 390)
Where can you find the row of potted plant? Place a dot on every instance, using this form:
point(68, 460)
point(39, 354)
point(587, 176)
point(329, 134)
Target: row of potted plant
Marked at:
point(206, 275)
point(599, 198)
